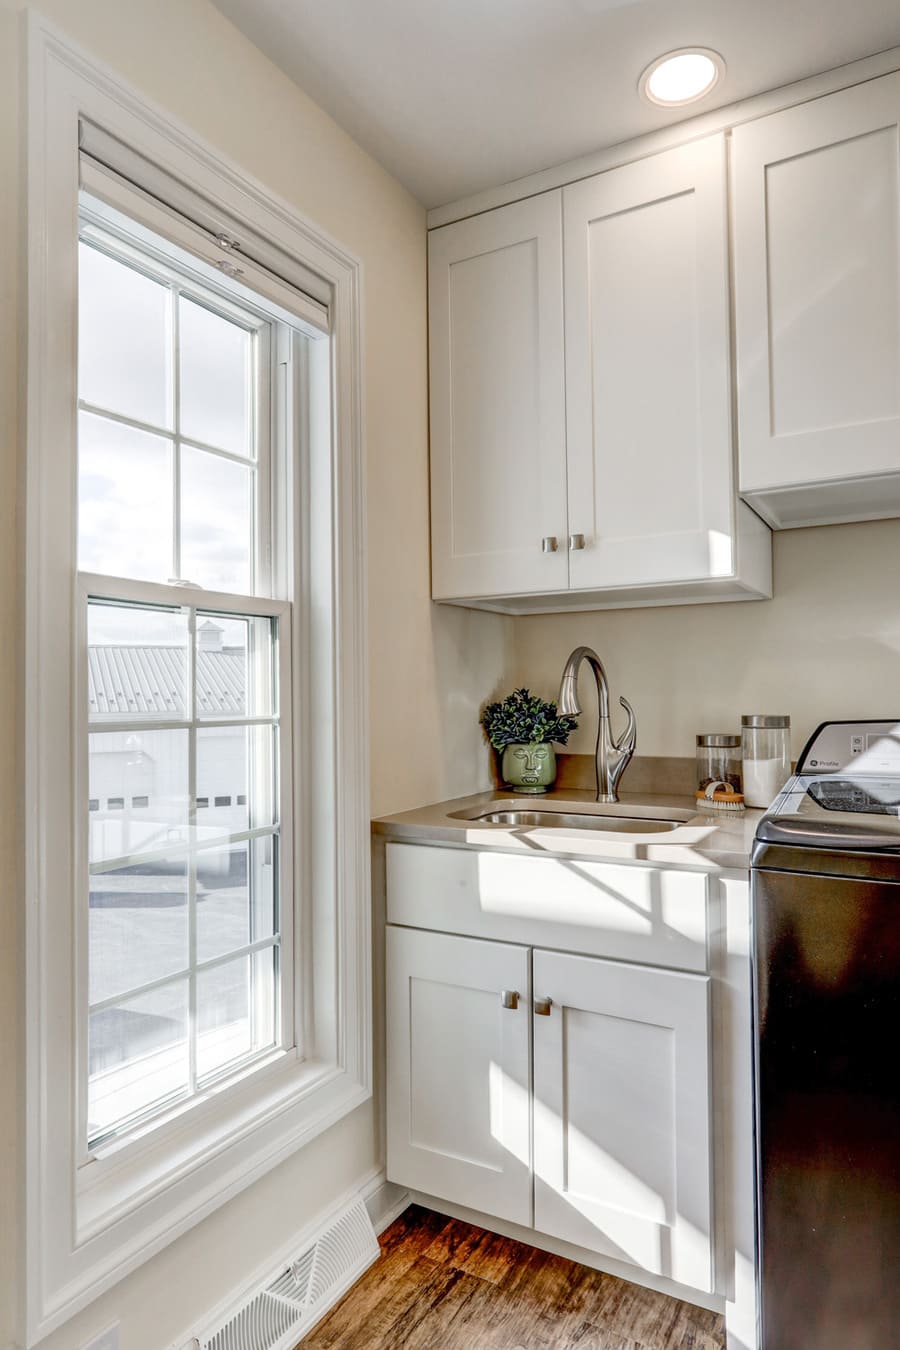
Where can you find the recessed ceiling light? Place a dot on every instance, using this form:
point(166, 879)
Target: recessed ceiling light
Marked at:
point(681, 77)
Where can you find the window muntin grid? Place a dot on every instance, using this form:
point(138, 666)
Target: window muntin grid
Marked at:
point(149, 843)
point(161, 477)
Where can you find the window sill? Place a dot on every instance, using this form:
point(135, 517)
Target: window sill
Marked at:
point(251, 1126)
point(164, 1129)
point(143, 1203)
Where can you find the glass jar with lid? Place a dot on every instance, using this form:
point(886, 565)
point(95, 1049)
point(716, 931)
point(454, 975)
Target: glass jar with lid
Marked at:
point(718, 759)
point(766, 745)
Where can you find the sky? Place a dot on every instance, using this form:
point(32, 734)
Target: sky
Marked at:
point(129, 328)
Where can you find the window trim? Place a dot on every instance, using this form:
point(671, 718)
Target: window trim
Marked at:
point(80, 1239)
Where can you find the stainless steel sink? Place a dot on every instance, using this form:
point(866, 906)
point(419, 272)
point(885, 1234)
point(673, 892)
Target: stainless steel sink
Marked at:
point(575, 820)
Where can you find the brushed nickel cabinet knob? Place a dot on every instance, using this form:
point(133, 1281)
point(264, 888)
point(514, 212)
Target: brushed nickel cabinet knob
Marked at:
point(549, 543)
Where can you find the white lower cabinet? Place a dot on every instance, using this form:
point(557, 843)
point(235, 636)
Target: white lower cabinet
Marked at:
point(616, 1098)
point(459, 1071)
point(622, 1149)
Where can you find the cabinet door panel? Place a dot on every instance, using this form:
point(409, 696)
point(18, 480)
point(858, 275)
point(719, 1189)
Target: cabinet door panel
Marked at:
point(622, 1142)
point(647, 371)
point(817, 287)
point(498, 402)
point(458, 1071)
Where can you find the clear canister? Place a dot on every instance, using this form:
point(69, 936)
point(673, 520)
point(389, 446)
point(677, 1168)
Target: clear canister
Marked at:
point(718, 759)
point(766, 745)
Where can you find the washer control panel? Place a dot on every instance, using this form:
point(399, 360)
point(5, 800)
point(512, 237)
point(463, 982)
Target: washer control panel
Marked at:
point(852, 747)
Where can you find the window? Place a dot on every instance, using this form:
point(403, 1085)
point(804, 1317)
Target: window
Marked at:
point(183, 916)
point(186, 965)
point(172, 434)
point(197, 943)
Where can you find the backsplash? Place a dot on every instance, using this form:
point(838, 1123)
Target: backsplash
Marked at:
point(826, 647)
point(662, 774)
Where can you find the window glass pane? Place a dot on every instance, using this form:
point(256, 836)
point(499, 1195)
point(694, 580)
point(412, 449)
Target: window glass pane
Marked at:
point(124, 340)
point(138, 926)
point(127, 769)
point(137, 663)
point(235, 896)
point(235, 787)
point(216, 522)
point(125, 517)
point(215, 379)
point(138, 1055)
point(235, 658)
point(235, 1011)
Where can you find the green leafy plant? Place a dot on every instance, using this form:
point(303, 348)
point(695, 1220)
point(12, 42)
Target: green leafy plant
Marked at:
point(524, 719)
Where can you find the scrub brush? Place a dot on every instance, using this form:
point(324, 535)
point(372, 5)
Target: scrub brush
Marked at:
point(719, 796)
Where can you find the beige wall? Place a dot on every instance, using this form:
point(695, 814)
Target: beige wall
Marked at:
point(10, 1064)
point(430, 667)
point(827, 646)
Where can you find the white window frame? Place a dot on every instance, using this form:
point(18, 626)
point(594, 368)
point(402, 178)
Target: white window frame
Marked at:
point(88, 1226)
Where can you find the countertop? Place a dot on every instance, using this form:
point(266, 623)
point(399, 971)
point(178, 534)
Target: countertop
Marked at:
point(712, 840)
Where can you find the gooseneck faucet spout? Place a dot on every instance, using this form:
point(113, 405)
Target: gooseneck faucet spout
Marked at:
point(612, 754)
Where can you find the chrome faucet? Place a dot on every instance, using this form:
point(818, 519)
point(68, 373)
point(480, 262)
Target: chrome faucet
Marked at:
point(612, 755)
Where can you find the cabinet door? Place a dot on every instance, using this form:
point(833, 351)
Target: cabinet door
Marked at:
point(817, 292)
point(458, 1082)
point(498, 470)
point(647, 371)
point(621, 1113)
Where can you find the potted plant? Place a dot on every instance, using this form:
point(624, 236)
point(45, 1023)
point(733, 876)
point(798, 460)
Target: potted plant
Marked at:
point(521, 728)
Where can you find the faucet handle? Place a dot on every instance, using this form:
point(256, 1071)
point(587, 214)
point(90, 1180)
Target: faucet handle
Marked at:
point(628, 739)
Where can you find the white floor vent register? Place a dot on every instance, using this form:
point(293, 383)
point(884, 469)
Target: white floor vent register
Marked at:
point(290, 1303)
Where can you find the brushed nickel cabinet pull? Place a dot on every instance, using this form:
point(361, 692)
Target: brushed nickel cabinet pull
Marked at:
point(542, 1007)
point(576, 542)
point(549, 543)
point(509, 998)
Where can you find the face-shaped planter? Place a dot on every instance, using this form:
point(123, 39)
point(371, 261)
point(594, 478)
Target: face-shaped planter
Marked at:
point(529, 768)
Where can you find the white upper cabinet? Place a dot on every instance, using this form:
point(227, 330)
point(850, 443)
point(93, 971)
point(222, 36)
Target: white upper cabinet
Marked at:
point(817, 277)
point(498, 420)
point(648, 391)
point(581, 445)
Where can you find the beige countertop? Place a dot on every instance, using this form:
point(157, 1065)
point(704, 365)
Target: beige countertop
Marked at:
point(712, 840)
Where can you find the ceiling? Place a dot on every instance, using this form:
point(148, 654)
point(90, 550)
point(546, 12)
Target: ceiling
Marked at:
point(457, 95)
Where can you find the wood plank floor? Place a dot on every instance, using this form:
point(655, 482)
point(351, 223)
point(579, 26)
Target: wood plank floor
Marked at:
point(444, 1285)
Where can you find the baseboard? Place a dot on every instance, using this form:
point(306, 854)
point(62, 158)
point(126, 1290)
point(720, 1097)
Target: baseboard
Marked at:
point(609, 1266)
point(385, 1200)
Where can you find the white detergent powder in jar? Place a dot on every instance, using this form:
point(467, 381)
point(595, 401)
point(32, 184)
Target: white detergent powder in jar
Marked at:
point(766, 756)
